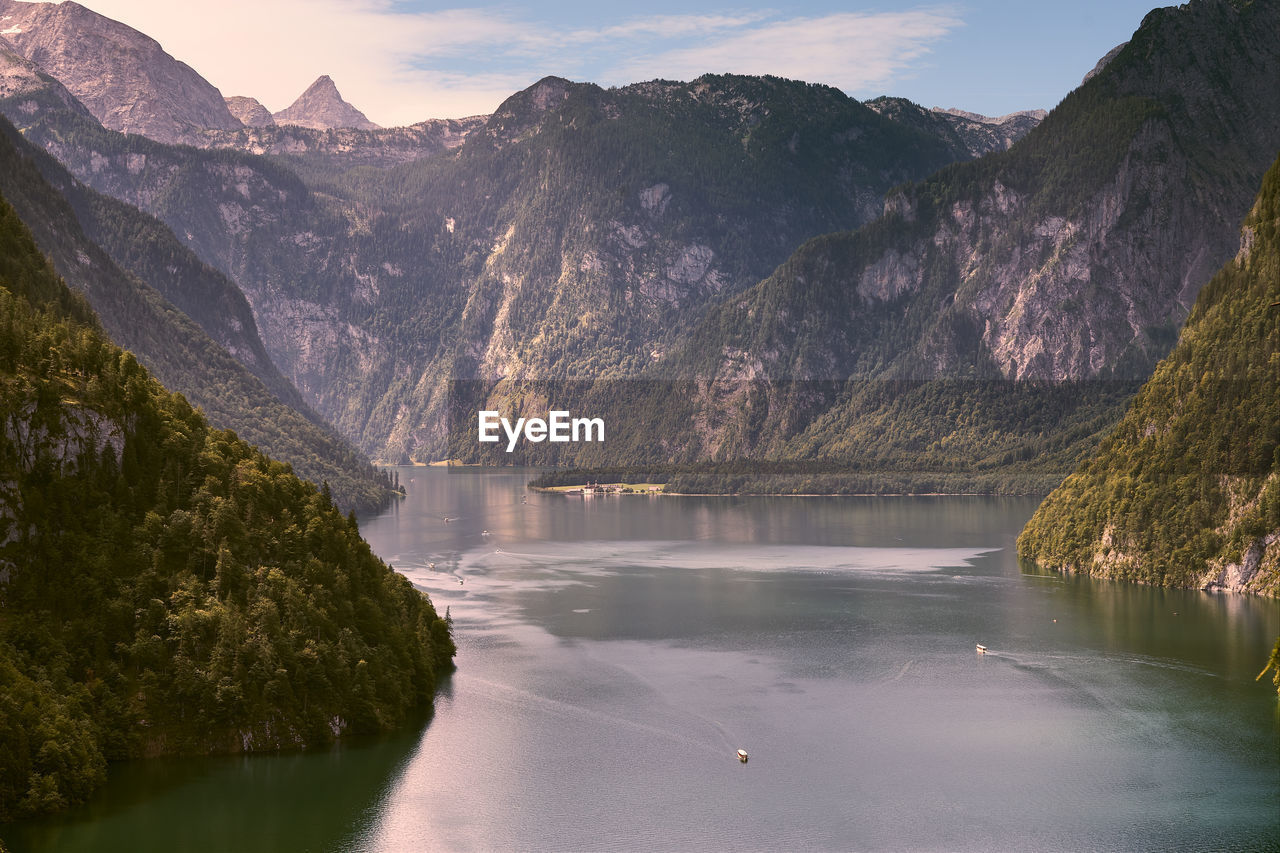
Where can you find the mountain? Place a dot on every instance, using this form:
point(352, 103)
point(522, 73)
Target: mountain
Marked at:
point(971, 132)
point(320, 107)
point(164, 587)
point(19, 76)
point(249, 112)
point(322, 154)
point(123, 77)
point(1185, 491)
point(223, 366)
point(1003, 309)
point(576, 232)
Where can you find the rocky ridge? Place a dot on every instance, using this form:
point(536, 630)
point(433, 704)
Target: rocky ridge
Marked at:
point(658, 199)
point(249, 111)
point(1075, 254)
point(972, 133)
point(321, 107)
point(122, 76)
point(345, 147)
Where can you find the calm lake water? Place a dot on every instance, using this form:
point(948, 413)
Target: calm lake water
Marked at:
point(615, 652)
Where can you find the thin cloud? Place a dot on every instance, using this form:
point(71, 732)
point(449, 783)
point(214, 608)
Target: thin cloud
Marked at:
point(400, 66)
point(852, 51)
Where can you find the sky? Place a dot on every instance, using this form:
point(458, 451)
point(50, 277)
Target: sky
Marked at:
point(402, 61)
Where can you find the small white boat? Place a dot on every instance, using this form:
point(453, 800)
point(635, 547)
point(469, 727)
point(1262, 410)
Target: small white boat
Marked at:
point(982, 650)
point(484, 533)
point(742, 756)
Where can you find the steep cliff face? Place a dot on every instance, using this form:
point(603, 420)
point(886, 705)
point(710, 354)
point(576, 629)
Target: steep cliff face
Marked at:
point(220, 365)
point(124, 77)
point(20, 76)
point(1186, 490)
point(1074, 256)
point(249, 112)
point(576, 232)
point(320, 107)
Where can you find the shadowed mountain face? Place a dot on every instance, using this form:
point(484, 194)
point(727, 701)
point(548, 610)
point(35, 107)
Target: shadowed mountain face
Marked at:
point(125, 78)
point(146, 559)
point(322, 108)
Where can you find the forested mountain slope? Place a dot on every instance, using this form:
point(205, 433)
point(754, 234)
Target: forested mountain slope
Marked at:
point(949, 331)
point(164, 587)
point(244, 391)
point(1185, 491)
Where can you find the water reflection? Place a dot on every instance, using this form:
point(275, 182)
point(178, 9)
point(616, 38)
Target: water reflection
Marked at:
point(323, 800)
point(615, 652)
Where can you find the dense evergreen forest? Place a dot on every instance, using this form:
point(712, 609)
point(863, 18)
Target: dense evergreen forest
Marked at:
point(1185, 491)
point(165, 588)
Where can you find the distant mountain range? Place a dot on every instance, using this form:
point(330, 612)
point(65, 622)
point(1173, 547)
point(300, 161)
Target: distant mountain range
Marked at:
point(130, 84)
point(677, 193)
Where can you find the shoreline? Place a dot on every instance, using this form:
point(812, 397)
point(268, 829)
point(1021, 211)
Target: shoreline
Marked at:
point(575, 489)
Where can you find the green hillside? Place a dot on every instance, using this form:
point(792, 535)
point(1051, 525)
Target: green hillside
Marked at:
point(165, 588)
point(1185, 491)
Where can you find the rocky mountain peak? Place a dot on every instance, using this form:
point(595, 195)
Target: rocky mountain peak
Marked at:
point(250, 111)
point(321, 107)
point(1102, 63)
point(125, 78)
point(20, 76)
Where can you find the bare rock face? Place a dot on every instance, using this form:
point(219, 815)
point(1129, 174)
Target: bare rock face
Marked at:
point(19, 77)
point(123, 77)
point(322, 108)
point(250, 111)
point(1102, 63)
point(970, 134)
point(984, 133)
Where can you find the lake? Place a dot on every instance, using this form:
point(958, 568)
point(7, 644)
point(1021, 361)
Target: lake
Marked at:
point(615, 652)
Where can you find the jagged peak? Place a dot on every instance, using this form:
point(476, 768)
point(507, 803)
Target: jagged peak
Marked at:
point(323, 84)
point(249, 111)
point(322, 107)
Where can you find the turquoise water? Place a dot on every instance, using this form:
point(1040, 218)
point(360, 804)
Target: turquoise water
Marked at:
point(615, 652)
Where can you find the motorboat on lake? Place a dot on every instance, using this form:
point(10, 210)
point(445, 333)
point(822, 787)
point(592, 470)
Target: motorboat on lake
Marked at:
point(742, 756)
